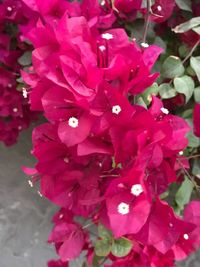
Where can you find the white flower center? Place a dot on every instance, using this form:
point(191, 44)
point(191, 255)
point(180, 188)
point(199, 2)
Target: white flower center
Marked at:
point(116, 109)
point(73, 122)
point(25, 94)
point(9, 8)
point(15, 110)
point(102, 48)
point(164, 110)
point(123, 208)
point(103, 3)
point(107, 36)
point(30, 183)
point(145, 45)
point(181, 153)
point(186, 236)
point(136, 189)
point(159, 8)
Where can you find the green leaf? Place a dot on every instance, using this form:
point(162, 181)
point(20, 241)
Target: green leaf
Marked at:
point(197, 94)
point(184, 5)
point(196, 168)
point(153, 90)
point(195, 64)
point(166, 91)
point(141, 102)
point(95, 261)
point(102, 247)
point(84, 264)
point(184, 193)
point(104, 233)
point(193, 140)
point(184, 85)
point(172, 67)
point(197, 29)
point(121, 247)
point(25, 59)
point(188, 25)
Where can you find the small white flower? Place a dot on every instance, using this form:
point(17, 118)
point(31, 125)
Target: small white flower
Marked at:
point(181, 153)
point(123, 208)
point(145, 45)
point(61, 216)
point(107, 36)
point(30, 183)
point(186, 236)
point(102, 48)
point(116, 109)
point(73, 122)
point(159, 8)
point(25, 94)
point(9, 8)
point(15, 110)
point(39, 193)
point(136, 189)
point(103, 3)
point(164, 110)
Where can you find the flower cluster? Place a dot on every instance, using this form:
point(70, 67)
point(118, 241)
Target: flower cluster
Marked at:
point(15, 114)
point(100, 155)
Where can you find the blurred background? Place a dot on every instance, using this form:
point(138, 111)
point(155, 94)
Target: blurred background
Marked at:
point(25, 217)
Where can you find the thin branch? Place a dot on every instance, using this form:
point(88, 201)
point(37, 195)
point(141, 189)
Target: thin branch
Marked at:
point(147, 21)
point(191, 52)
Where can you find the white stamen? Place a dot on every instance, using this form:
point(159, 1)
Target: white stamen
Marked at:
point(103, 3)
point(123, 208)
point(159, 8)
point(73, 122)
point(181, 153)
point(39, 193)
point(15, 110)
point(9, 8)
point(145, 45)
point(164, 110)
point(25, 94)
point(120, 185)
point(107, 36)
point(102, 48)
point(136, 189)
point(116, 109)
point(61, 216)
point(30, 183)
point(186, 236)
point(66, 160)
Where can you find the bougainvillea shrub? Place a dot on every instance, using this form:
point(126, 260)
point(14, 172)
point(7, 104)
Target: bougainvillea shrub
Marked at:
point(119, 152)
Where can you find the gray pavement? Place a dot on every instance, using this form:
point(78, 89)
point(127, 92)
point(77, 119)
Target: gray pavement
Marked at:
point(25, 217)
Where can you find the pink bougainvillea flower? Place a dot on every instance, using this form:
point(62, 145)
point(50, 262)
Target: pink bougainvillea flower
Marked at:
point(189, 240)
point(127, 205)
point(197, 120)
point(162, 10)
point(127, 6)
point(70, 240)
point(162, 234)
point(57, 263)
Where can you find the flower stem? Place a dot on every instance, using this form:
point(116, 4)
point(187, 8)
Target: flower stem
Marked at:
point(191, 51)
point(147, 21)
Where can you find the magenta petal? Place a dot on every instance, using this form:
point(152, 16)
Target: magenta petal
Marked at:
point(72, 246)
point(197, 120)
point(72, 136)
